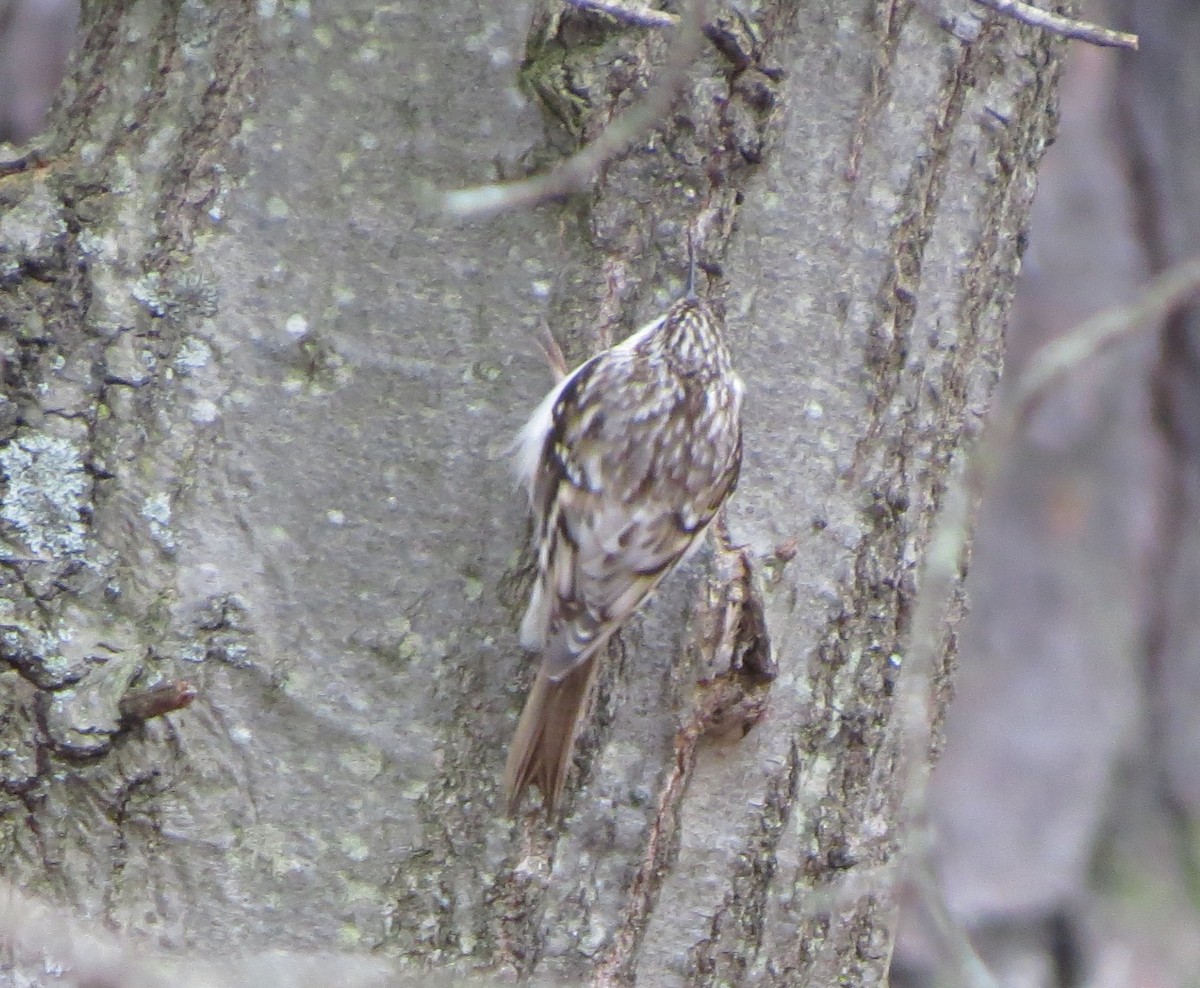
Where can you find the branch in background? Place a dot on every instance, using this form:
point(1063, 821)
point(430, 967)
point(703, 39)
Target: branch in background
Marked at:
point(969, 967)
point(1068, 27)
point(579, 171)
point(1161, 297)
point(947, 552)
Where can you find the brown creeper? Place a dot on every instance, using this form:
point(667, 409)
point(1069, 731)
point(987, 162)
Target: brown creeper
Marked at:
point(626, 462)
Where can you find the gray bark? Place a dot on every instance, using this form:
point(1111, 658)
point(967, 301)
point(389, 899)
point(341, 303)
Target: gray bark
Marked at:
point(257, 399)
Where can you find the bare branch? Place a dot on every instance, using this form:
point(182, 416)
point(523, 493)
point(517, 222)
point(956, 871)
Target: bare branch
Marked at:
point(968, 965)
point(1167, 292)
point(1068, 27)
point(948, 544)
point(579, 171)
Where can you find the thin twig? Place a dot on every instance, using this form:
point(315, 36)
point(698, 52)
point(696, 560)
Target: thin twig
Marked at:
point(1164, 294)
point(637, 16)
point(1068, 27)
point(969, 968)
point(580, 170)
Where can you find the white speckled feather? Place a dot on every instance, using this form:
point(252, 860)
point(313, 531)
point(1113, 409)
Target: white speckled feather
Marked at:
point(626, 463)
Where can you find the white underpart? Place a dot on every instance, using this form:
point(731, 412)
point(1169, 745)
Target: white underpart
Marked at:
point(533, 625)
point(531, 440)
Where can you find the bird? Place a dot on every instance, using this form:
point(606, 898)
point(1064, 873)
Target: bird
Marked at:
point(626, 462)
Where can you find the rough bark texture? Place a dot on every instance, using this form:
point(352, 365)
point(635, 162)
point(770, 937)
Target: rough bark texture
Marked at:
point(257, 399)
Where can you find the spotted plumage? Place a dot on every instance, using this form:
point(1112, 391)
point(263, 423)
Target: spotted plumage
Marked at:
point(626, 462)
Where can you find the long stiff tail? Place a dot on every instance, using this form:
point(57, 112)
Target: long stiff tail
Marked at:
point(541, 750)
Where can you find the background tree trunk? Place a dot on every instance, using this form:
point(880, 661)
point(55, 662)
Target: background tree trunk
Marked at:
point(1066, 798)
point(257, 399)
point(1165, 177)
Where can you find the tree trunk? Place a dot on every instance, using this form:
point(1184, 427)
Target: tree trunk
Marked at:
point(1165, 177)
point(258, 396)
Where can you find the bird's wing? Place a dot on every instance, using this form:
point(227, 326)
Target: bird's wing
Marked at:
point(621, 495)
